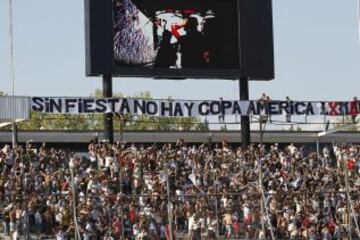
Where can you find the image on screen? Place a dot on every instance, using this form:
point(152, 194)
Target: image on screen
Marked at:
point(176, 34)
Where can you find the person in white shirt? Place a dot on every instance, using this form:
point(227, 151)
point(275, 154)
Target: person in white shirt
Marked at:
point(211, 226)
point(195, 228)
point(38, 222)
point(136, 230)
point(190, 223)
point(61, 235)
point(162, 232)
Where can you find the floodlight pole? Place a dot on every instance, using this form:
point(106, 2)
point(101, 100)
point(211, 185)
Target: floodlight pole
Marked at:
point(245, 122)
point(12, 78)
point(108, 117)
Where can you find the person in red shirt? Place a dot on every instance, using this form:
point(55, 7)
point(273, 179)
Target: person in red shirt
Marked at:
point(132, 214)
point(117, 227)
point(332, 226)
point(354, 109)
point(168, 237)
point(236, 228)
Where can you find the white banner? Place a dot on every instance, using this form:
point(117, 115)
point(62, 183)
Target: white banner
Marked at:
point(180, 108)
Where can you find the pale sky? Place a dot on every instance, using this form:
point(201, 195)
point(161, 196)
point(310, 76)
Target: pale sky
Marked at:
point(317, 54)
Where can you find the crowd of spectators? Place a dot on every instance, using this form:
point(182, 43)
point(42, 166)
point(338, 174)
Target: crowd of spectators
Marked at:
point(121, 191)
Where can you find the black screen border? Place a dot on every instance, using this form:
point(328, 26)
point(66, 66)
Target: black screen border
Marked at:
point(255, 46)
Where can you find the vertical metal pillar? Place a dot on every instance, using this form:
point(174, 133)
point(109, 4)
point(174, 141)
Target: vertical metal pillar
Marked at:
point(12, 72)
point(261, 131)
point(348, 199)
point(11, 43)
point(77, 235)
point(121, 129)
point(14, 134)
point(217, 218)
point(108, 117)
point(261, 200)
point(169, 208)
point(263, 205)
point(245, 122)
point(122, 206)
point(317, 147)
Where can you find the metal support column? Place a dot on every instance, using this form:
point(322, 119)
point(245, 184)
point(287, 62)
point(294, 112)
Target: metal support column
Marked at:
point(14, 134)
point(261, 200)
point(169, 207)
point(245, 122)
point(108, 117)
point(348, 199)
point(12, 71)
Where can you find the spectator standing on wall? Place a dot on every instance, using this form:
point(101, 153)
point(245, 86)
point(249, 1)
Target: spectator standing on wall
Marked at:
point(288, 115)
point(221, 110)
point(264, 100)
point(354, 109)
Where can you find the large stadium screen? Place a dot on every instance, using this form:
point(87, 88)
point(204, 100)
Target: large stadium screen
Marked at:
point(179, 38)
point(176, 34)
